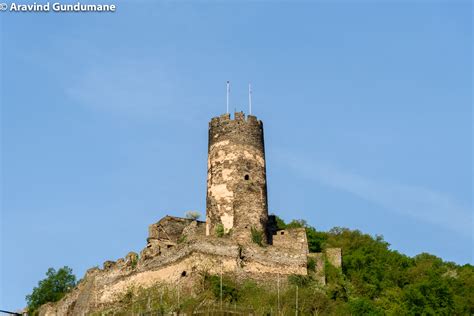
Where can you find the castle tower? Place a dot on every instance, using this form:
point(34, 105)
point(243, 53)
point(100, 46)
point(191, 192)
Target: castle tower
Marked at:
point(236, 178)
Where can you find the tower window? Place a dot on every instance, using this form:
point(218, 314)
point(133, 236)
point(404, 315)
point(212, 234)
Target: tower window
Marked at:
point(246, 177)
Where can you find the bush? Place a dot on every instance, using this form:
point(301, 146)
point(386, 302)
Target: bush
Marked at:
point(297, 223)
point(299, 280)
point(230, 292)
point(257, 236)
point(134, 262)
point(363, 306)
point(194, 215)
point(280, 223)
point(316, 239)
point(220, 230)
point(182, 239)
point(52, 288)
point(311, 265)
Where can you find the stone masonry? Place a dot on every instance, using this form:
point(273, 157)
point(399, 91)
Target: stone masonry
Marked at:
point(179, 250)
point(236, 178)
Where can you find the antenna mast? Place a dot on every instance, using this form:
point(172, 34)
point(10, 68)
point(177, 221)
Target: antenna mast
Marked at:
point(250, 99)
point(228, 91)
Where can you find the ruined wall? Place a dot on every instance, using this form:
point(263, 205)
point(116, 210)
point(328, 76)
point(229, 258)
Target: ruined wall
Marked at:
point(318, 272)
point(334, 256)
point(170, 231)
point(293, 239)
point(168, 228)
point(183, 264)
point(331, 255)
point(236, 179)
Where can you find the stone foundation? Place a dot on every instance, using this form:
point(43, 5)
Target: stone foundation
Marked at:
point(178, 251)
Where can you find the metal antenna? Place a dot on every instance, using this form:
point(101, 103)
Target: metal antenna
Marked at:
point(250, 99)
point(228, 92)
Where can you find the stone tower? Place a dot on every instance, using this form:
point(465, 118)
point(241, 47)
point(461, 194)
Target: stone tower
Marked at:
point(236, 177)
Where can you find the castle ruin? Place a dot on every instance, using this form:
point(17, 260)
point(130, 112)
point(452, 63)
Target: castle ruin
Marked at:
point(236, 176)
point(238, 236)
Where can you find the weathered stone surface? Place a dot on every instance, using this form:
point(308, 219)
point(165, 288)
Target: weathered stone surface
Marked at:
point(293, 239)
point(178, 249)
point(334, 256)
point(131, 259)
point(170, 229)
point(105, 287)
point(236, 179)
point(109, 264)
point(318, 273)
point(193, 230)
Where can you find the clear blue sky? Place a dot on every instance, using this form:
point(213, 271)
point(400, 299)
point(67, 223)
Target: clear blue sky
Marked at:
point(367, 109)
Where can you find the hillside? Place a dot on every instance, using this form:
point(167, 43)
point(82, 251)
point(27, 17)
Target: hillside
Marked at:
point(374, 280)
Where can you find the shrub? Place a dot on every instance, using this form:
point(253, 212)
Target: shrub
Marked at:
point(182, 239)
point(299, 280)
point(363, 306)
point(297, 223)
point(230, 292)
point(134, 262)
point(280, 223)
point(194, 215)
point(257, 236)
point(52, 288)
point(220, 230)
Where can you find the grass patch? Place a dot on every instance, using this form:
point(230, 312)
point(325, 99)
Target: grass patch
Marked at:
point(220, 230)
point(257, 236)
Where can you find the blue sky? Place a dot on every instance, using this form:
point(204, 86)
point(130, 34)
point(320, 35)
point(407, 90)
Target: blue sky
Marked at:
point(367, 109)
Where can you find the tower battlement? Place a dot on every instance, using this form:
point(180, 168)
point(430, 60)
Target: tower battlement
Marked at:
point(239, 118)
point(178, 251)
point(244, 130)
point(236, 182)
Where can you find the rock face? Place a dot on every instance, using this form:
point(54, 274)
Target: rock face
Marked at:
point(236, 177)
point(238, 237)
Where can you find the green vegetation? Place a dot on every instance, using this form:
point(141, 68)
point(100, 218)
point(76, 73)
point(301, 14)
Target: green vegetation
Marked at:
point(52, 288)
point(182, 239)
point(257, 236)
point(220, 230)
point(311, 265)
point(134, 261)
point(194, 215)
point(374, 280)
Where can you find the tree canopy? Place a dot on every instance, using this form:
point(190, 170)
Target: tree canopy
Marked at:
point(52, 288)
point(377, 280)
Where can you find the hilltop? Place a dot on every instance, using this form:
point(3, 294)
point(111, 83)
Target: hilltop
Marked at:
point(373, 280)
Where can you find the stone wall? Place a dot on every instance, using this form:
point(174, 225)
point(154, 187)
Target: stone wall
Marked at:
point(183, 264)
point(292, 239)
point(179, 250)
point(334, 256)
point(331, 255)
point(318, 273)
point(168, 232)
point(236, 180)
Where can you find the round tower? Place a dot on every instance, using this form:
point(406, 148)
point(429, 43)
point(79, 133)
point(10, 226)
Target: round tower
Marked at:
point(236, 178)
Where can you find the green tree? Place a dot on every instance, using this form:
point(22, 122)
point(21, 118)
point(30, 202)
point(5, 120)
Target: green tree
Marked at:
point(52, 288)
point(194, 215)
point(363, 306)
point(280, 223)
